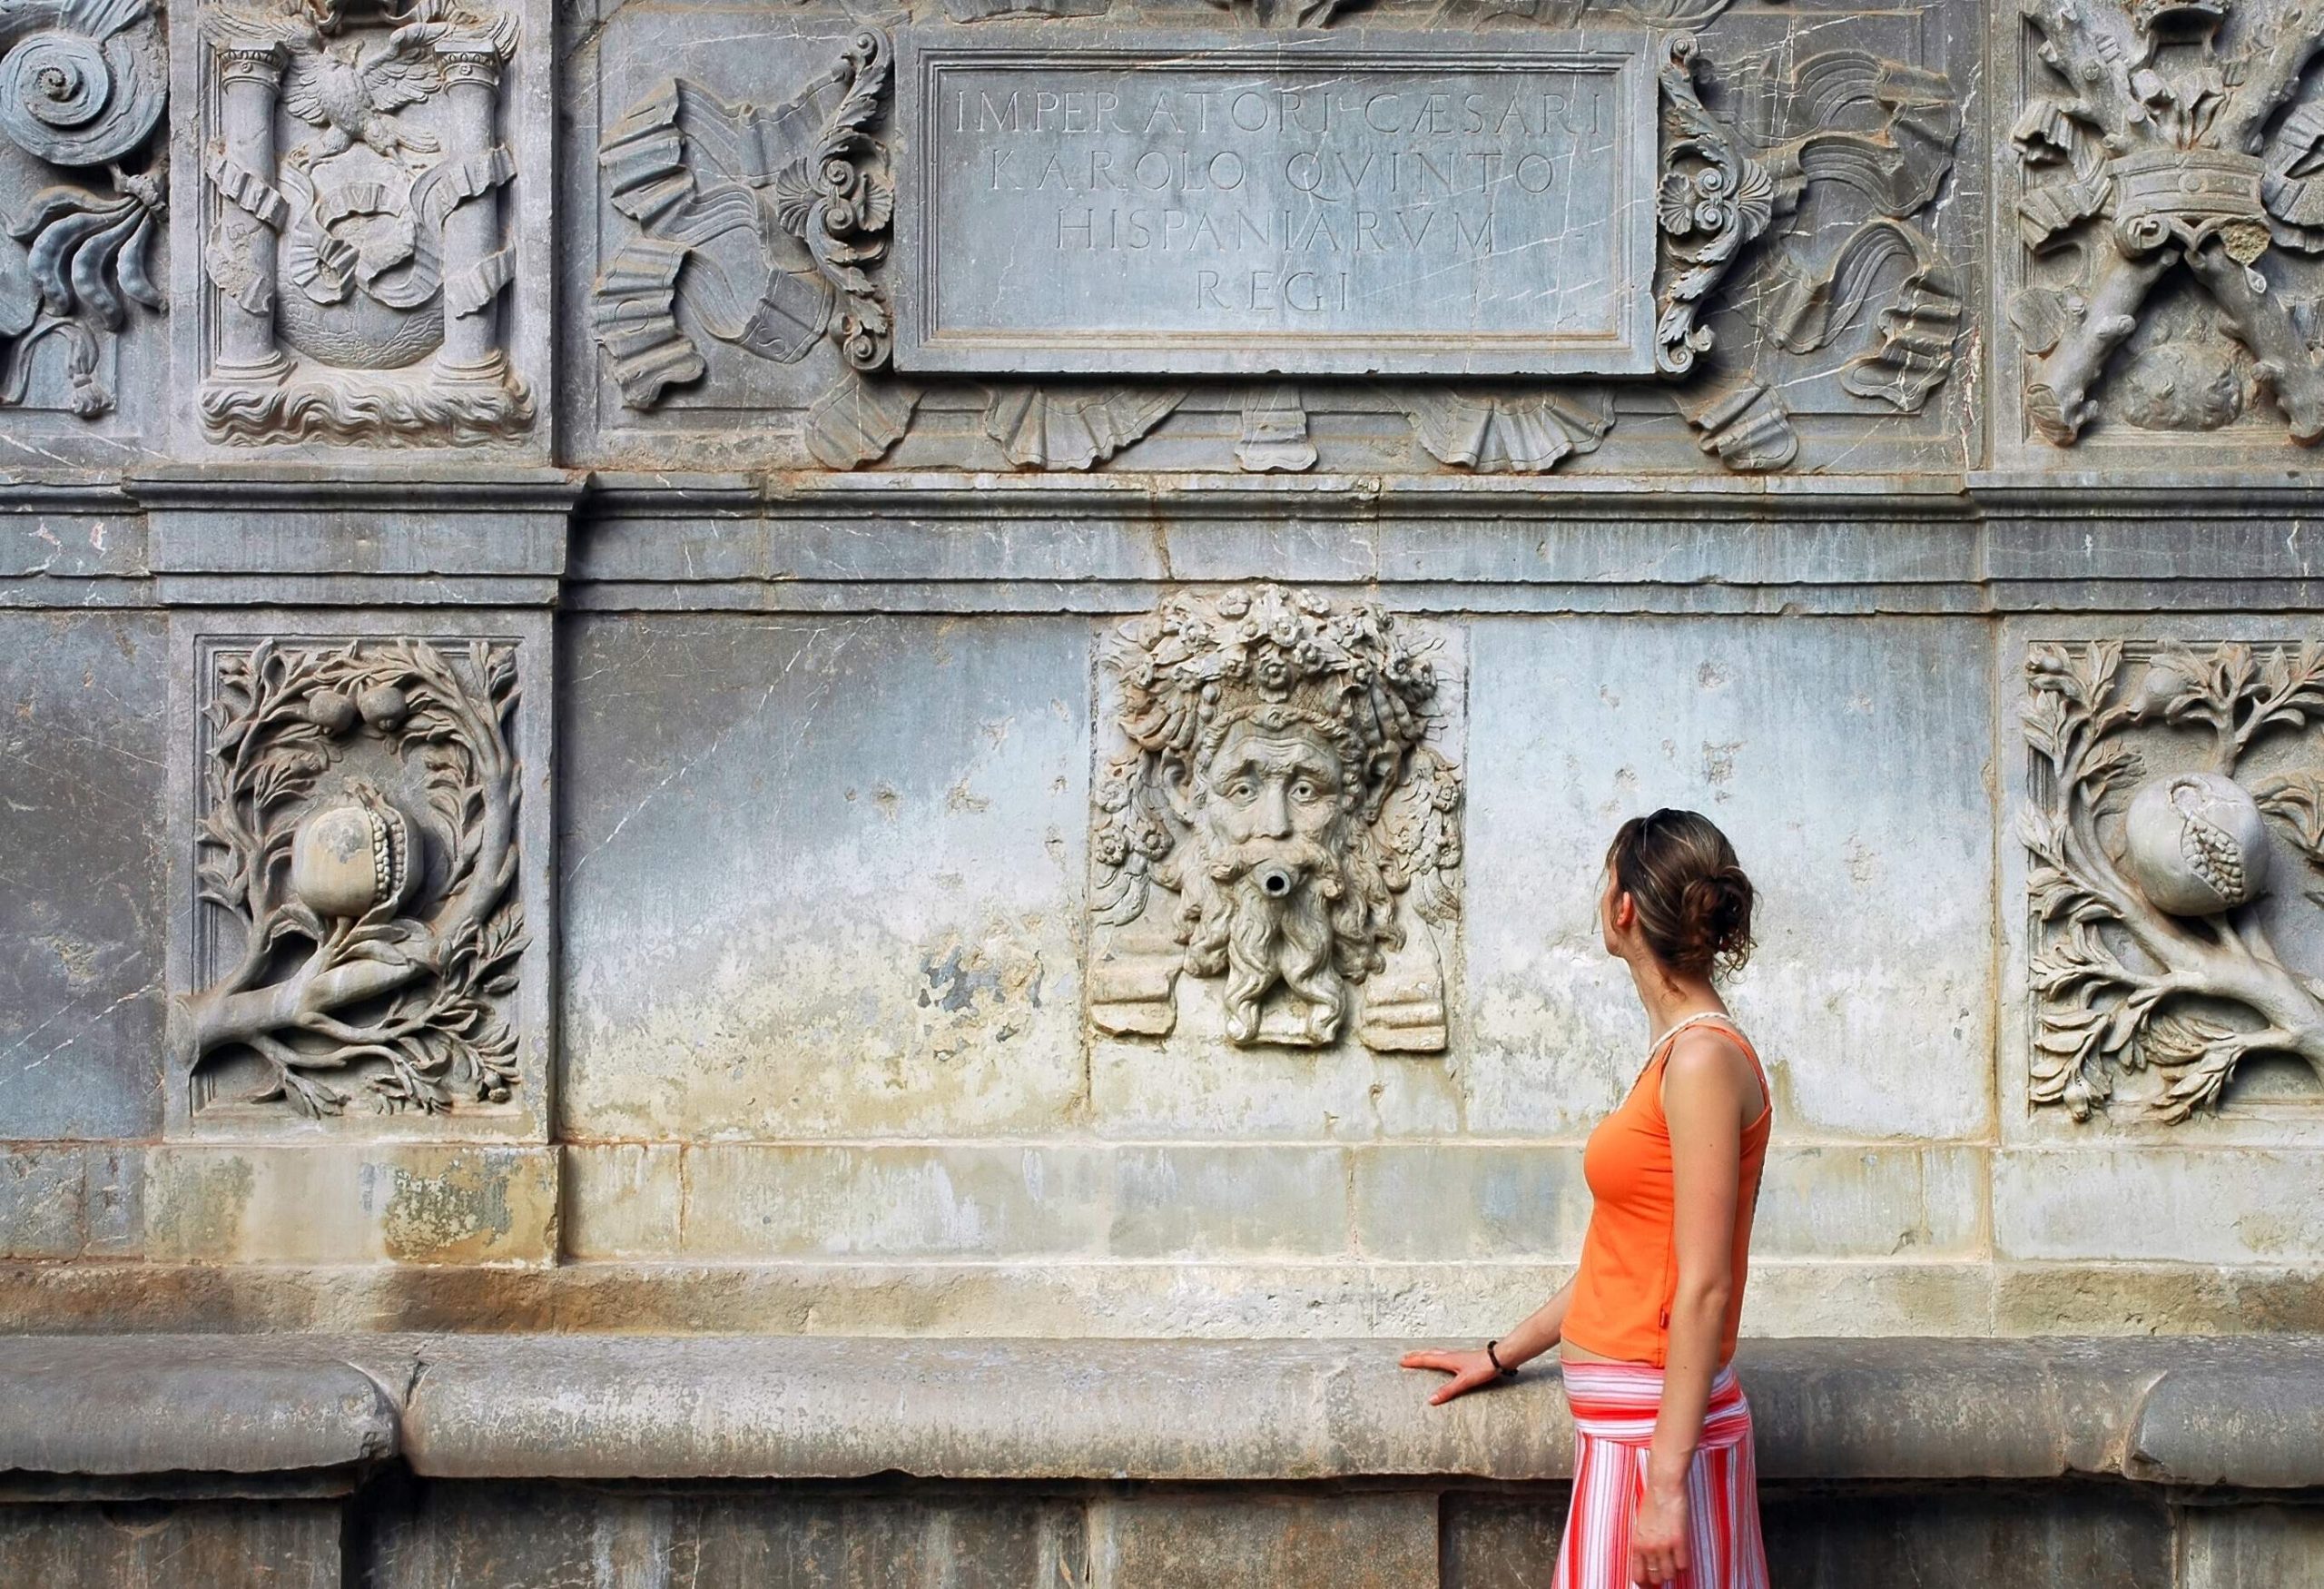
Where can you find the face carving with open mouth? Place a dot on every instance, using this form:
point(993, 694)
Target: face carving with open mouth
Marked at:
point(1277, 800)
point(1276, 865)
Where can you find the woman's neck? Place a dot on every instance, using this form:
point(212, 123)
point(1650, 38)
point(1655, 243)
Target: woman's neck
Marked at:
point(1671, 998)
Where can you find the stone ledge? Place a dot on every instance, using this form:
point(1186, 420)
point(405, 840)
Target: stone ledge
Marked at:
point(180, 1404)
point(2203, 1411)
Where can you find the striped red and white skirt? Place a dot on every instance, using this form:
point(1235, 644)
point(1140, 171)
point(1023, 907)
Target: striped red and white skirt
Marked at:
point(1614, 1406)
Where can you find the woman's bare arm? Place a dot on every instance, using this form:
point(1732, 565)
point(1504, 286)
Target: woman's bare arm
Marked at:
point(1704, 1098)
point(1470, 1369)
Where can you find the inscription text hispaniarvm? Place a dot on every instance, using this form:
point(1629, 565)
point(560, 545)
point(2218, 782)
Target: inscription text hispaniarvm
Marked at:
point(1330, 210)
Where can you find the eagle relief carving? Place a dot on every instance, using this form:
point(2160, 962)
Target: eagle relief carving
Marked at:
point(354, 242)
point(1280, 817)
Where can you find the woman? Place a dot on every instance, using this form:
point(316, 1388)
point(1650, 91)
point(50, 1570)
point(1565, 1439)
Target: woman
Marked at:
point(1664, 1488)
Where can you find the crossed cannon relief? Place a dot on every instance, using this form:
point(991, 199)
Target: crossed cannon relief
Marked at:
point(2166, 150)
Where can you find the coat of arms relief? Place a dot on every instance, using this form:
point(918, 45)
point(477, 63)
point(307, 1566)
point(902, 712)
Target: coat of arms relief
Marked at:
point(353, 242)
point(2173, 214)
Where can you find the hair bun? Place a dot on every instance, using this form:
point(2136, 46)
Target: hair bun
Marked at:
point(1694, 900)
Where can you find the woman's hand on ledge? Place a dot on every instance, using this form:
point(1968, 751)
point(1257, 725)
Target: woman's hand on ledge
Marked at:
point(1469, 1371)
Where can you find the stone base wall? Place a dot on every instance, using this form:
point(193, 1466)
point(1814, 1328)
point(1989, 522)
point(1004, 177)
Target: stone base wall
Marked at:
point(398, 1533)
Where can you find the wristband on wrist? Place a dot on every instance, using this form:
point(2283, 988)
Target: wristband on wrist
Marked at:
point(1503, 1370)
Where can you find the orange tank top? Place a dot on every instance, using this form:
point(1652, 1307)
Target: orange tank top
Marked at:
point(1629, 1265)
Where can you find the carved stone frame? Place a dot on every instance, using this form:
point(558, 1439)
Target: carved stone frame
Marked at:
point(196, 637)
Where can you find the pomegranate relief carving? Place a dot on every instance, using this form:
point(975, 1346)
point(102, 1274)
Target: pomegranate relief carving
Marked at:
point(359, 934)
point(2176, 813)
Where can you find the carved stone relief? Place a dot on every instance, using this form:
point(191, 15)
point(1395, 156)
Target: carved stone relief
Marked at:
point(360, 928)
point(2170, 145)
point(354, 246)
point(1798, 184)
point(2175, 830)
point(82, 84)
point(1279, 816)
point(764, 223)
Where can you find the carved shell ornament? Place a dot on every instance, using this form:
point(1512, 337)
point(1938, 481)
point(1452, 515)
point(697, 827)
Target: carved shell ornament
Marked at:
point(355, 859)
point(2150, 887)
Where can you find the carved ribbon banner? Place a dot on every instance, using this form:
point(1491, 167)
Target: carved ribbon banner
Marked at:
point(764, 223)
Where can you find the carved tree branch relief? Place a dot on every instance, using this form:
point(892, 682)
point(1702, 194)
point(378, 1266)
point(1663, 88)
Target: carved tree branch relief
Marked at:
point(1279, 814)
point(2152, 847)
point(356, 846)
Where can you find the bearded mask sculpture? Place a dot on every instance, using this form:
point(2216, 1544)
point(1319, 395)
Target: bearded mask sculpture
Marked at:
point(1279, 819)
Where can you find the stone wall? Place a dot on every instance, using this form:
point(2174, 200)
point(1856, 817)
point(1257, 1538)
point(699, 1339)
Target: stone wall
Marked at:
point(606, 730)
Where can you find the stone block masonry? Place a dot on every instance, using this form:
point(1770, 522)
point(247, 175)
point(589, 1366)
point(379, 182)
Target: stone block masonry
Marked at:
point(936, 688)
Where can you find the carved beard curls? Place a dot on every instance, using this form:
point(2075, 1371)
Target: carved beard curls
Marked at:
point(1329, 931)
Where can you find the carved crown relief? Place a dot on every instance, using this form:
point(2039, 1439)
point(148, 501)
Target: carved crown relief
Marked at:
point(2172, 149)
point(2176, 830)
point(353, 244)
point(83, 86)
point(1798, 182)
point(1279, 817)
point(359, 932)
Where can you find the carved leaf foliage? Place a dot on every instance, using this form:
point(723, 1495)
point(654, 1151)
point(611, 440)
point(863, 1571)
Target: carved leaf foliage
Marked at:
point(2119, 984)
point(280, 718)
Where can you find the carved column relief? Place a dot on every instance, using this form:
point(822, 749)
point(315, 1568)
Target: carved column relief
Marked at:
point(361, 932)
point(83, 86)
point(1279, 816)
point(356, 248)
point(2175, 828)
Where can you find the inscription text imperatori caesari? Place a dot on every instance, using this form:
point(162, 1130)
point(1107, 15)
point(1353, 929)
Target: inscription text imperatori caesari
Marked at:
point(1121, 213)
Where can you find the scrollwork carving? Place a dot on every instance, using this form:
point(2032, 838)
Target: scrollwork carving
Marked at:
point(83, 83)
point(1714, 199)
point(356, 850)
point(1280, 815)
point(2151, 845)
point(764, 223)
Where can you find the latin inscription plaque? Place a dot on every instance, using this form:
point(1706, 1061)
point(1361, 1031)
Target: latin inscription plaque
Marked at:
point(1327, 206)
